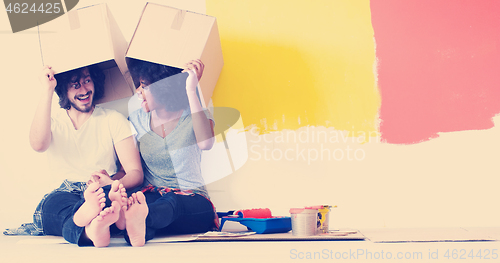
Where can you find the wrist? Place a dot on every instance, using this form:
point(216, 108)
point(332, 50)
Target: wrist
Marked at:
point(47, 96)
point(191, 93)
point(49, 92)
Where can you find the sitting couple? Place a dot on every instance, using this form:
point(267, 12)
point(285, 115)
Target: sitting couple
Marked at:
point(156, 185)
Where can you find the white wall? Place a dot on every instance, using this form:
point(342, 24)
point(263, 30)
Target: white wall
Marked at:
point(448, 181)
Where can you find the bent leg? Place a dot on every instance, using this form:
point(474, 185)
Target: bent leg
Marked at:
point(57, 209)
point(177, 214)
point(57, 217)
point(161, 213)
point(196, 215)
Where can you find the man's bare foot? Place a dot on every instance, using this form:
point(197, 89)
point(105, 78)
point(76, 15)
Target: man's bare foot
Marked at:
point(135, 215)
point(118, 193)
point(98, 229)
point(95, 201)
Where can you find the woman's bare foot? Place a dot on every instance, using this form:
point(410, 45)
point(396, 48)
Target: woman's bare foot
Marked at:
point(118, 193)
point(98, 229)
point(95, 201)
point(135, 215)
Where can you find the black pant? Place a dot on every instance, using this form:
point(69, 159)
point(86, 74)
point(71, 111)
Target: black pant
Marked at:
point(168, 214)
point(177, 214)
point(57, 216)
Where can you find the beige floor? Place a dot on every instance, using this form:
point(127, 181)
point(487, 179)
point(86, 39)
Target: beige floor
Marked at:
point(54, 249)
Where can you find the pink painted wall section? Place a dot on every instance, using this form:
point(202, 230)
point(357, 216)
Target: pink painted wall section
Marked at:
point(438, 66)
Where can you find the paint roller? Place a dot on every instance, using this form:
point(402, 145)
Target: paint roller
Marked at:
point(254, 213)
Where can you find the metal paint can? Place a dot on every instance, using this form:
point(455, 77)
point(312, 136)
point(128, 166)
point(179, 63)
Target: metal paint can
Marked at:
point(304, 221)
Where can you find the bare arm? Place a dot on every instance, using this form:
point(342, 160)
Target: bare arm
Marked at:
point(131, 162)
point(203, 127)
point(40, 133)
point(130, 173)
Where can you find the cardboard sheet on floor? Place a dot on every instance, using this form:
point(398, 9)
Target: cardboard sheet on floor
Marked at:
point(344, 235)
point(382, 235)
point(396, 235)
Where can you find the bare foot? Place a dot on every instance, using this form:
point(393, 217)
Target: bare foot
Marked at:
point(118, 193)
point(98, 229)
point(94, 203)
point(135, 215)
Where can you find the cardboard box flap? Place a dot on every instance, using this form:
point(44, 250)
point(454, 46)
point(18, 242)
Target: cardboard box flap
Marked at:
point(172, 37)
point(213, 54)
point(120, 46)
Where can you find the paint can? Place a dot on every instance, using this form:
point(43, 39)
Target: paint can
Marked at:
point(304, 221)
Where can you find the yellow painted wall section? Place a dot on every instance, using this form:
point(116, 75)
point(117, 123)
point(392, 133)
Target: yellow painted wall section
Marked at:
point(289, 64)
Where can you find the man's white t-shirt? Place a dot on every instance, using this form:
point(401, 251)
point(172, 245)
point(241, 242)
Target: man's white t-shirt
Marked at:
point(75, 154)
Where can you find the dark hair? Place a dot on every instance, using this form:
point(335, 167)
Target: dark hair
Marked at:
point(63, 79)
point(168, 84)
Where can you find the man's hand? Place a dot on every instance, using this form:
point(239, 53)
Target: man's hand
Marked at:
point(47, 78)
point(102, 177)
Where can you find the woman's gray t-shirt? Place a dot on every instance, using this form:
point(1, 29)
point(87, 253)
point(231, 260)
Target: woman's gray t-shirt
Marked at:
point(173, 161)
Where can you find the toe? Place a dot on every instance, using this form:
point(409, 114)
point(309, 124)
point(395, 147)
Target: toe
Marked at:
point(93, 187)
point(141, 198)
point(115, 185)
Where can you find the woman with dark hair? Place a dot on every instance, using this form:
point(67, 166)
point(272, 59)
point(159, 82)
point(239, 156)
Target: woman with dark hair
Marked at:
point(172, 129)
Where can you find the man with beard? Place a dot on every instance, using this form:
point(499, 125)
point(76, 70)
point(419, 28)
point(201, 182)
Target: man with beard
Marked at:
point(83, 140)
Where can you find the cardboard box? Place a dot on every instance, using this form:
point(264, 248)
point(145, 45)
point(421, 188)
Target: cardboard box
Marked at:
point(87, 36)
point(172, 37)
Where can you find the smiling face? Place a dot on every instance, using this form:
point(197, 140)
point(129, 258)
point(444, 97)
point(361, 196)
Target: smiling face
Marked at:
point(159, 86)
point(81, 91)
point(144, 93)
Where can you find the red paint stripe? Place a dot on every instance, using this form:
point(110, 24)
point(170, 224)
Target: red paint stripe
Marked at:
point(439, 66)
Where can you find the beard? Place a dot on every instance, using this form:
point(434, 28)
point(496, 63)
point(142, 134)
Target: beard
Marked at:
point(85, 108)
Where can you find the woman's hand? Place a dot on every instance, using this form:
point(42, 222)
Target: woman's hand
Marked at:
point(47, 78)
point(197, 66)
point(195, 70)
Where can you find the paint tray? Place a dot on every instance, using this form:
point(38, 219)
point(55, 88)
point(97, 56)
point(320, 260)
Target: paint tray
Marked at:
point(281, 224)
